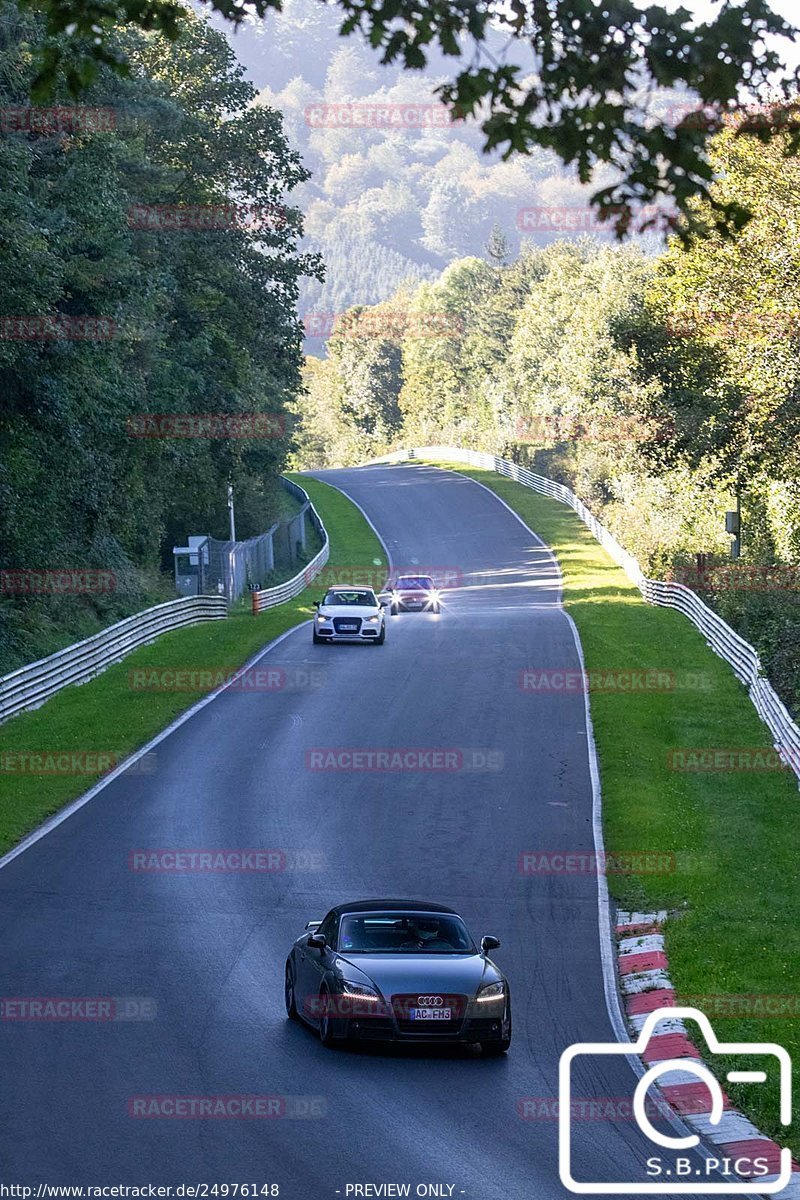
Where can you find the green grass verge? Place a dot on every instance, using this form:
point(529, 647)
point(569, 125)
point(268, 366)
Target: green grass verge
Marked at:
point(110, 717)
point(735, 834)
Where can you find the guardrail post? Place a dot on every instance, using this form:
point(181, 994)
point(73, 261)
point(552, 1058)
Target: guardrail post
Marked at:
point(255, 607)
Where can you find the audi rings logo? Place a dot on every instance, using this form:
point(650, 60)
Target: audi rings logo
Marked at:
point(430, 1001)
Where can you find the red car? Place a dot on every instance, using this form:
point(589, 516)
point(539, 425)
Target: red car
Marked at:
point(416, 593)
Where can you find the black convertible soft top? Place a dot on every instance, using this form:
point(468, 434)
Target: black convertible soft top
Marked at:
point(392, 905)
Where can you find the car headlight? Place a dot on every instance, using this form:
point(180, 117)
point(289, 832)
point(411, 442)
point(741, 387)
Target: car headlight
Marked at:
point(492, 991)
point(322, 617)
point(359, 991)
point(373, 620)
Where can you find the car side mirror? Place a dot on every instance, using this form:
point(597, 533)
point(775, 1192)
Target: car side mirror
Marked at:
point(386, 601)
point(317, 941)
point(316, 603)
point(489, 943)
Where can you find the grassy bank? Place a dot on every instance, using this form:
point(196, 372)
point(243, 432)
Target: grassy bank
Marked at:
point(734, 834)
point(109, 716)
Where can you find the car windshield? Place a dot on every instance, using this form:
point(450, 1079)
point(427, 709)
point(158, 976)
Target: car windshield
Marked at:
point(414, 582)
point(404, 933)
point(358, 599)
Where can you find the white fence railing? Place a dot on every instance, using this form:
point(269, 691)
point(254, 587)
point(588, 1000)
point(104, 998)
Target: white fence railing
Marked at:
point(30, 686)
point(293, 587)
point(723, 640)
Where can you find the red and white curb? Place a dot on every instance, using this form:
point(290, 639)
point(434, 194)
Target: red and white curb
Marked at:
point(646, 986)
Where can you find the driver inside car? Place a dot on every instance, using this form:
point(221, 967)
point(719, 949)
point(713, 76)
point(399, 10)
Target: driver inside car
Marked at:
point(423, 934)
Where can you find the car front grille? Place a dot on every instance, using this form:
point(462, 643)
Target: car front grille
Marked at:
point(338, 622)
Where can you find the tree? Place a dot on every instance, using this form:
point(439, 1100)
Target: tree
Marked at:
point(202, 321)
point(722, 332)
point(365, 354)
point(572, 80)
point(497, 248)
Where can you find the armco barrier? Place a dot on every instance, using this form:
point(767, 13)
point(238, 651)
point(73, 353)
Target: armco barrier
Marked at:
point(30, 686)
point(723, 640)
point(293, 587)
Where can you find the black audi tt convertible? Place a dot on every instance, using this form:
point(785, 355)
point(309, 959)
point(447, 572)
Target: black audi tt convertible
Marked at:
point(399, 971)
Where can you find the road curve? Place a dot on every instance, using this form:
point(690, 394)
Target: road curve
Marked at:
point(208, 949)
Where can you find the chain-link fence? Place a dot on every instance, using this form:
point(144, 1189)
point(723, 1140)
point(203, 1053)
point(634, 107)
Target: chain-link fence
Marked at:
point(208, 566)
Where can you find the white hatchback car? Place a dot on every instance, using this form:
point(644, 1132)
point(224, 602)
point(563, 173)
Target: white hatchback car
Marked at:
point(348, 614)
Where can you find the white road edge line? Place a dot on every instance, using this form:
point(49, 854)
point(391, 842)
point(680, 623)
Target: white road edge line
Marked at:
point(64, 813)
point(605, 926)
point(527, 528)
point(355, 504)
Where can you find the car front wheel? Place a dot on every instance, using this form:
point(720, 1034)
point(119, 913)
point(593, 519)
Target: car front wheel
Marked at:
point(289, 996)
point(330, 1031)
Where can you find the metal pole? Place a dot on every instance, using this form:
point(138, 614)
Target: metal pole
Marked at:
point(736, 547)
point(230, 511)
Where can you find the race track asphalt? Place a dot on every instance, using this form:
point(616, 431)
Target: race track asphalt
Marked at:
point(207, 949)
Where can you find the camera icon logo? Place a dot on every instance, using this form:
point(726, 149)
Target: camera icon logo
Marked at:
point(699, 1185)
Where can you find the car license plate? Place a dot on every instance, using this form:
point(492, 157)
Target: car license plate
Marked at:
point(431, 1014)
point(347, 628)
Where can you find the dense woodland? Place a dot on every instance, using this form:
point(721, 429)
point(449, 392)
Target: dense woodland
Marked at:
point(202, 321)
point(655, 386)
point(654, 381)
point(387, 205)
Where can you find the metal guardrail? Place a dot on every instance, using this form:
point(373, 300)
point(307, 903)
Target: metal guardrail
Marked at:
point(28, 687)
point(269, 597)
point(723, 640)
